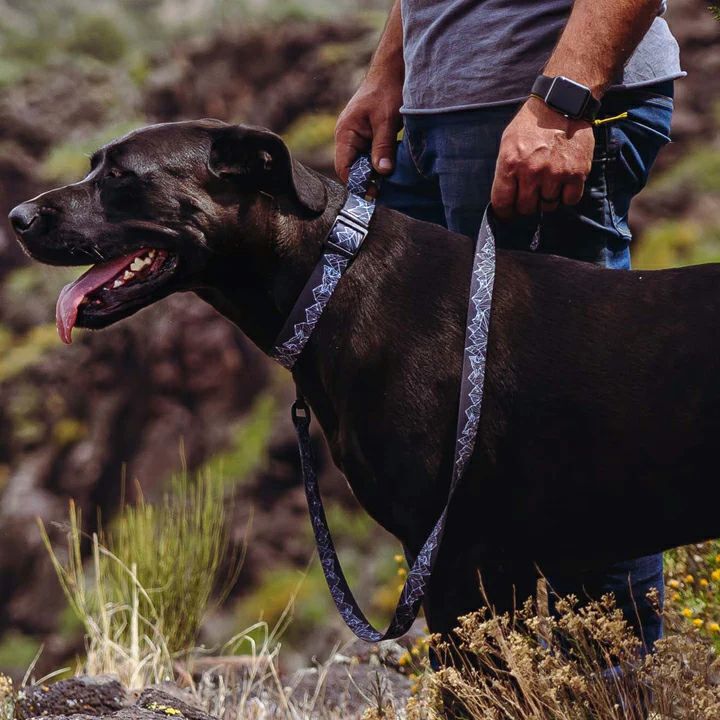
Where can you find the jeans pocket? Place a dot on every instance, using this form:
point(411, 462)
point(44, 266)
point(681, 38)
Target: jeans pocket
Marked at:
point(633, 145)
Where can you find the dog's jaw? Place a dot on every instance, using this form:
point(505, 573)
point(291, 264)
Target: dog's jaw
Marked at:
point(108, 277)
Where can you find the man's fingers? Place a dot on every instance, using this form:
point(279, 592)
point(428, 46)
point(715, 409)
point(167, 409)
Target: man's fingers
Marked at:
point(528, 196)
point(550, 194)
point(572, 192)
point(348, 145)
point(503, 193)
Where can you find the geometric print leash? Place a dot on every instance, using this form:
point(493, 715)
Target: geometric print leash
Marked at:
point(290, 343)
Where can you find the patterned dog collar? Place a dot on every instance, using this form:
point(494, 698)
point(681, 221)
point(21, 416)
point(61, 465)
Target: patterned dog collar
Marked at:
point(343, 243)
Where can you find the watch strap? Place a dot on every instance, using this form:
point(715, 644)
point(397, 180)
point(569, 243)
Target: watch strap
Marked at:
point(542, 88)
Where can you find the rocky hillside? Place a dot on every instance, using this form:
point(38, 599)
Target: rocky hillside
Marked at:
point(74, 422)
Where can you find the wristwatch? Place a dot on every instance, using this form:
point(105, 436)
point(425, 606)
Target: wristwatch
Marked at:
point(567, 97)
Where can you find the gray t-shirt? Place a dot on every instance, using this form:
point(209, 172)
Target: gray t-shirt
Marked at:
point(462, 54)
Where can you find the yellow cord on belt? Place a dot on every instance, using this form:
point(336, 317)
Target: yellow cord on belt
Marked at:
point(602, 121)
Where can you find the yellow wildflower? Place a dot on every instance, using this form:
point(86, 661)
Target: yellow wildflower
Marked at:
point(687, 612)
point(697, 622)
point(675, 583)
point(715, 575)
point(717, 558)
point(675, 597)
point(703, 582)
point(714, 627)
point(689, 579)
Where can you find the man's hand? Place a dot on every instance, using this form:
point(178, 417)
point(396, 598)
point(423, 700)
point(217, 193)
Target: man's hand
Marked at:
point(371, 120)
point(543, 161)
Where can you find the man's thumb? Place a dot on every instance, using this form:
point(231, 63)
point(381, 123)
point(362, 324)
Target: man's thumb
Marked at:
point(383, 148)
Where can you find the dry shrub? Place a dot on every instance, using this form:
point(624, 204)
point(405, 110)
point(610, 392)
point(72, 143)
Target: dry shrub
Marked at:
point(585, 663)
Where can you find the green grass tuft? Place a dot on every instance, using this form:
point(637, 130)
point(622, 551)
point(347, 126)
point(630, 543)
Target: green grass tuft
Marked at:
point(177, 547)
point(154, 572)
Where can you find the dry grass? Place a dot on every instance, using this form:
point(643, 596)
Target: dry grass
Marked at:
point(7, 698)
point(584, 664)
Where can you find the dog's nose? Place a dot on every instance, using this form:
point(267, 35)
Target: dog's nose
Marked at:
point(23, 217)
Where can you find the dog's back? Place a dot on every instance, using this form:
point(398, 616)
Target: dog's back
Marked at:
point(607, 386)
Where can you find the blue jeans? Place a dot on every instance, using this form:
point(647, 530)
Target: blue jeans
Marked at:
point(444, 173)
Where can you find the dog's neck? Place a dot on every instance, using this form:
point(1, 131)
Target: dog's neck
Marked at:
point(353, 345)
point(256, 290)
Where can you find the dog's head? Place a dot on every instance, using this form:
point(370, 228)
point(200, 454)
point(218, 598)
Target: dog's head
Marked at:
point(158, 207)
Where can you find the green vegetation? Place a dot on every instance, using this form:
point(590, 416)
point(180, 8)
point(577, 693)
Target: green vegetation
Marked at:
point(372, 566)
point(17, 650)
point(692, 238)
point(37, 33)
point(311, 133)
point(69, 161)
point(693, 587)
point(674, 243)
point(176, 548)
point(698, 171)
point(154, 572)
point(99, 37)
point(26, 351)
point(248, 450)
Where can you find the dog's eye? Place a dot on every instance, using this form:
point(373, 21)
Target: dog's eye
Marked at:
point(116, 173)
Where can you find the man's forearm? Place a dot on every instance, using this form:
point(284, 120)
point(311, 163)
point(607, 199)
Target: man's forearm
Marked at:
point(387, 62)
point(599, 37)
point(371, 120)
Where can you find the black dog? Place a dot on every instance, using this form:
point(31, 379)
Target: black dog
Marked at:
point(601, 416)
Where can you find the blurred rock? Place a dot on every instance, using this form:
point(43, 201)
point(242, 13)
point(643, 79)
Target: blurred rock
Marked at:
point(163, 702)
point(91, 696)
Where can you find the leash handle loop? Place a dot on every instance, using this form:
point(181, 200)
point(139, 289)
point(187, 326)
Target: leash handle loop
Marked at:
point(470, 404)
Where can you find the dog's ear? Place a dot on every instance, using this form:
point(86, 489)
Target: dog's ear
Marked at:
point(261, 159)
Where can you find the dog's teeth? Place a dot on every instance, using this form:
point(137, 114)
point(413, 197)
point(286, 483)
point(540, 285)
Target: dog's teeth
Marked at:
point(128, 275)
point(137, 264)
point(117, 284)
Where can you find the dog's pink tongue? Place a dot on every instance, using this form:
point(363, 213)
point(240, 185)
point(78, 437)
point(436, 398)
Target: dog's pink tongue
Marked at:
point(72, 295)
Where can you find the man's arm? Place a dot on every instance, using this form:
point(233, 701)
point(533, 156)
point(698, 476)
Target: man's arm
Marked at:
point(372, 117)
point(544, 157)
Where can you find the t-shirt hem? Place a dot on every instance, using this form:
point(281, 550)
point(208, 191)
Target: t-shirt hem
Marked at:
point(522, 98)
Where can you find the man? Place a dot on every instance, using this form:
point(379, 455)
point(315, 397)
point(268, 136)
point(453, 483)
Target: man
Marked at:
point(565, 160)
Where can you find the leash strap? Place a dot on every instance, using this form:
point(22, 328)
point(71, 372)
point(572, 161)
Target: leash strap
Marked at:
point(343, 243)
point(471, 395)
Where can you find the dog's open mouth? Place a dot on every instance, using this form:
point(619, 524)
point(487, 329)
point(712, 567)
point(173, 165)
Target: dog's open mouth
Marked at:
point(110, 290)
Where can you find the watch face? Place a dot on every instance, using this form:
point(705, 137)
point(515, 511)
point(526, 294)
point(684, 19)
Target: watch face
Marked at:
point(568, 97)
